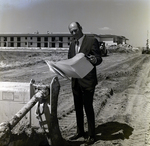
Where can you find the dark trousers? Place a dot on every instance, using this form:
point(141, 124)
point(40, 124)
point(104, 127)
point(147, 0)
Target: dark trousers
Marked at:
point(84, 98)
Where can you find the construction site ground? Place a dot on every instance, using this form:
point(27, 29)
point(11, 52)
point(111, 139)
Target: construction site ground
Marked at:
point(121, 101)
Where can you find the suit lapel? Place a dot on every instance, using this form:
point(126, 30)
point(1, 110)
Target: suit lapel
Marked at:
point(82, 48)
point(85, 47)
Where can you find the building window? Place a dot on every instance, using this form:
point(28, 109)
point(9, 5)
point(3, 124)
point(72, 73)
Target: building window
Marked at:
point(38, 38)
point(11, 39)
point(45, 44)
point(53, 45)
point(45, 38)
point(53, 42)
point(69, 41)
point(18, 38)
point(31, 43)
point(61, 39)
point(38, 44)
point(31, 38)
point(11, 44)
point(60, 42)
point(5, 38)
point(26, 38)
point(60, 45)
point(53, 39)
point(18, 45)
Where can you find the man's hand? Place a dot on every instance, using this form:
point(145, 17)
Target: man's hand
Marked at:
point(92, 59)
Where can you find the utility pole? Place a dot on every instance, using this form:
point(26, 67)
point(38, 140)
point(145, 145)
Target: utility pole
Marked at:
point(147, 41)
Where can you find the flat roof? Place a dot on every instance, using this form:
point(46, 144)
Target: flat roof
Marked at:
point(58, 34)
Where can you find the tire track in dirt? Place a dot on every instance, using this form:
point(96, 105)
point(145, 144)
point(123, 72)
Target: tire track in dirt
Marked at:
point(138, 107)
point(123, 68)
point(136, 102)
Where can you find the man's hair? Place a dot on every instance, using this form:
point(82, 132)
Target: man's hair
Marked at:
point(79, 26)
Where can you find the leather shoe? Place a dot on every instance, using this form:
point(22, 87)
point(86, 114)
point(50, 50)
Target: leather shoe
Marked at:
point(89, 141)
point(76, 136)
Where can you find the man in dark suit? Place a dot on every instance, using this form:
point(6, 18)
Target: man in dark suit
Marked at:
point(83, 89)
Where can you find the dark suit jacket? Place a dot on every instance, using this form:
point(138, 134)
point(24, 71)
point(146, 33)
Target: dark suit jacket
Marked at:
point(90, 46)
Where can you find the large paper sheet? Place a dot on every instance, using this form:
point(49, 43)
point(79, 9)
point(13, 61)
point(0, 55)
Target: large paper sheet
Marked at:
point(76, 67)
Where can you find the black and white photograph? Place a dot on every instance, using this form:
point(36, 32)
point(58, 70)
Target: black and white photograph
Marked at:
point(74, 72)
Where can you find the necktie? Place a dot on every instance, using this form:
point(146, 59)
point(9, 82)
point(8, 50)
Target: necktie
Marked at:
point(77, 46)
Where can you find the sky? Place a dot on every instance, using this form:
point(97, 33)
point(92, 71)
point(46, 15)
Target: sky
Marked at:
point(129, 18)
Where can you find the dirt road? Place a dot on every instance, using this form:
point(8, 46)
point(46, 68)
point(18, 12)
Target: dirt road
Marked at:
point(122, 119)
point(126, 114)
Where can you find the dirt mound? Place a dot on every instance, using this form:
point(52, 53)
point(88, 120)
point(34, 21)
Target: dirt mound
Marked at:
point(11, 60)
point(122, 49)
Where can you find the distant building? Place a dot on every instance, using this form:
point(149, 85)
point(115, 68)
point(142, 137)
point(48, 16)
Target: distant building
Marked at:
point(51, 40)
point(113, 39)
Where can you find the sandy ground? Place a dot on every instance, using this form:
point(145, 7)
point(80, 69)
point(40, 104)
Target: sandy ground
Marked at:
point(122, 119)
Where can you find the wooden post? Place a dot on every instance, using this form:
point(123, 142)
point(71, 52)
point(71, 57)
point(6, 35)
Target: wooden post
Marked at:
point(32, 92)
point(52, 120)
